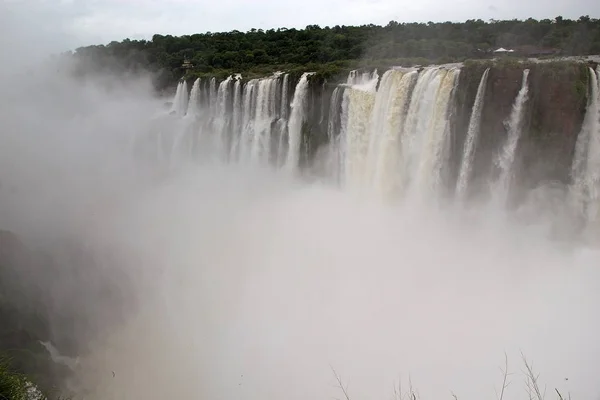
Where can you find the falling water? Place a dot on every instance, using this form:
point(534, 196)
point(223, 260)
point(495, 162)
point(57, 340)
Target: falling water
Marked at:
point(434, 157)
point(281, 151)
point(222, 116)
point(180, 100)
point(212, 95)
point(194, 102)
point(264, 117)
point(421, 105)
point(356, 112)
point(183, 101)
point(471, 139)
point(239, 275)
point(296, 120)
point(236, 121)
point(586, 162)
point(285, 98)
point(383, 159)
point(505, 159)
point(426, 130)
point(334, 155)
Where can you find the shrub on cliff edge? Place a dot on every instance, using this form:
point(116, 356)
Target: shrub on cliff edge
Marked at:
point(13, 386)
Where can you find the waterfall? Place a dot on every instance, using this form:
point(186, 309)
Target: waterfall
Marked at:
point(357, 103)
point(505, 159)
point(236, 123)
point(366, 80)
point(256, 109)
point(212, 96)
point(395, 137)
point(356, 108)
point(221, 117)
point(586, 162)
point(264, 117)
point(433, 158)
point(285, 100)
point(281, 152)
point(245, 134)
point(333, 118)
point(296, 120)
point(334, 155)
point(383, 157)
point(426, 130)
point(471, 139)
point(180, 100)
point(183, 101)
point(388, 136)
point(194, 102)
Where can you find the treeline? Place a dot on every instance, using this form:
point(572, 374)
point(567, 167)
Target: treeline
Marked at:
point(338, 47)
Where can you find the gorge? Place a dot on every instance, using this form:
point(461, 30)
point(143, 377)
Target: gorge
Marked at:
point(477, 131)
point(406, 225)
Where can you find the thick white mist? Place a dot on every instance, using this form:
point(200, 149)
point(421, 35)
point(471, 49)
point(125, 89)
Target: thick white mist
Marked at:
point(252, 287)
point(249, 284)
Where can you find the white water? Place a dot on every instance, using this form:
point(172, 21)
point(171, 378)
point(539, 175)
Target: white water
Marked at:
point(585, 190)
point(431, 132)
point(250, 284)
point(506, 157)
point(383, 158)
point(194, 100)
point(356, 112)
point(298, 109)
point(395, 138)
point(334, 162)
point(471, 139)
point(181, 99)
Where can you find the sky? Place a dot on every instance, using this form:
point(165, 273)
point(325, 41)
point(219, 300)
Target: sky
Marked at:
point(67, 24)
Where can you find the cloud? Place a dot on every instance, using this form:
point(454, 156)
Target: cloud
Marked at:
point(101, 21)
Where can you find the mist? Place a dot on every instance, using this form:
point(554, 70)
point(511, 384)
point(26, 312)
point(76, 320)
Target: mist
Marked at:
point(220, 281)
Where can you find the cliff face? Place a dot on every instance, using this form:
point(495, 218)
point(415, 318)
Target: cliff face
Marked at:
point(553, 116)
point(559, 97)
point(552, 119)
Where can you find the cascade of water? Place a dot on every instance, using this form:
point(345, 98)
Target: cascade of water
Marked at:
point(212, 96)
point(177, 107)
point(265, 115)
point(236, 121)
point(593, 161)
point(433, 159)
point(505, 159)
point(471, 139)
point(194, 103)
point(356, 108)
point(176, 98)
point(366, 81)
point(245, 137)
point(281, 151)
point(296, 120)
point(183, 99)
point(323, 110)
point(333, 133)
point(420, 110)
point(333, 117)
point(384, 153)
point(285, 97)
point(585, 172)
point(221, 117)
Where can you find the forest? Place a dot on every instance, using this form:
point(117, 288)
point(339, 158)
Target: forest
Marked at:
point(331, 50)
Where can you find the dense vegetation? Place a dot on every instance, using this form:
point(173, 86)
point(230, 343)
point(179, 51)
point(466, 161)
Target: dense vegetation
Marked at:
point(331, 49)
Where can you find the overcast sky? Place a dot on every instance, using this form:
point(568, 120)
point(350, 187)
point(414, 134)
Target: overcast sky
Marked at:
point(64, 24)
